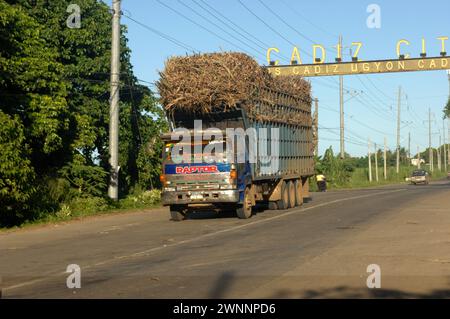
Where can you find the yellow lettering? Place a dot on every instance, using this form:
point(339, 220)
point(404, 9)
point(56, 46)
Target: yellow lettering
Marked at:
point(421, 64)
point(354, 67)
point(389, 66)
point(315, 47)
point(398, 47)
point(444, 63)
point(366, 67)
point(358, 47)
point(317, 69)
point(377, 65)
point(295, 70)
point(433, 63)
point(339, 51)
point(401, 65)
point(269, 50)
point(336, 69)
point(295, 56)
point(443, 39)
point(277, 71)
point(307, 70)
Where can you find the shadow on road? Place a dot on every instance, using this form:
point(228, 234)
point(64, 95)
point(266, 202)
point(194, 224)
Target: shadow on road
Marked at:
point(224, 213)
point(344, 292)
point(222, 284)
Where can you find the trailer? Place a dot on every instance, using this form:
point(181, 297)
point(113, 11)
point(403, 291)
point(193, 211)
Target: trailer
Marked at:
point(272, 168)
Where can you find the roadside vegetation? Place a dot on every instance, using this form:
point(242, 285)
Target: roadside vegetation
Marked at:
point(353, 172)
point(54, 114)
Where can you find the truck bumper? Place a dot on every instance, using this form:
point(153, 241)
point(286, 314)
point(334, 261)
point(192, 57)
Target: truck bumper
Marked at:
point(200, 197)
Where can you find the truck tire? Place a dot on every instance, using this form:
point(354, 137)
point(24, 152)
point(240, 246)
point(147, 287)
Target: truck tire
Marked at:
point(177, 213)
point(298, 192)
point(283, 203)
point(273, 206)
point(291, 189)
point(244, 210)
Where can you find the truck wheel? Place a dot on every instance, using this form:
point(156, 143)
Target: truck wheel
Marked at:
point(244, 211)
point(291, 189)
point(283, 203)
point(177, 214)
point(273, 206)
point(298, 192)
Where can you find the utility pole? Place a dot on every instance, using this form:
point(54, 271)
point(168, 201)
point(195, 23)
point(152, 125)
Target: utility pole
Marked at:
point(376, 162)
point(113, 189)
point(439, 154)
point(370, 162)
point(445, 146)
point(448, 137)
point(430, 151)
point(384, 159)
point(316, 125)
point(409, 148)
point(418, 157)
point(341, 108)
point(398, 127)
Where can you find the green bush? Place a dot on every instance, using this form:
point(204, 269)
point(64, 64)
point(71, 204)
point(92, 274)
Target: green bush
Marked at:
point(81, 206)
point(141, 199)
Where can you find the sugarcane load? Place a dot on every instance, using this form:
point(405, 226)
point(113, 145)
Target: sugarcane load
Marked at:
point(238, 135)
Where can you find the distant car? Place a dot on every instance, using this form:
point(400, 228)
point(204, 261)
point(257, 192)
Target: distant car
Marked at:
point(420, 176)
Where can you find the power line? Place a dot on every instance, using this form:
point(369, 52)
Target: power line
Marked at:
point(270, 27)
point(303, 18)
point(163, 35)
point(218, 26)
point(376, 87)
point(285, 23)
point(201, 26)
point(243, 33)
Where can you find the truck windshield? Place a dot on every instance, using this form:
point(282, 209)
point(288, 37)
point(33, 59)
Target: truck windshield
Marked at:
point(207, 152)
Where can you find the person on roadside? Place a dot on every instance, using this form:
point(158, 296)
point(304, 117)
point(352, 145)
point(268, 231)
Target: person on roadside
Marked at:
point(321, 182)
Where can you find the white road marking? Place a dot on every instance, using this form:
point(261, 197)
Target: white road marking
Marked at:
point(182, 242)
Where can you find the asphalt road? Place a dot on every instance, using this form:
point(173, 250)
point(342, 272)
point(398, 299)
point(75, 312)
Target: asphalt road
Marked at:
point(320, 250)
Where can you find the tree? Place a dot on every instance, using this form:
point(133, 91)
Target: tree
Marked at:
point(447, 109)
point(54, 83)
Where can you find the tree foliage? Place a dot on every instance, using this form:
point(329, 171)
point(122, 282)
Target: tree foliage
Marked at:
point(447, 109)
point(54, 84)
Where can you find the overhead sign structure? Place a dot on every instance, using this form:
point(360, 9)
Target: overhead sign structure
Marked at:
point(362, 67)
point(319, 67)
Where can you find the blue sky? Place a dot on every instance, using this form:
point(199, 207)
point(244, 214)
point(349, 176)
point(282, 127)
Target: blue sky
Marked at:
point(370, 112)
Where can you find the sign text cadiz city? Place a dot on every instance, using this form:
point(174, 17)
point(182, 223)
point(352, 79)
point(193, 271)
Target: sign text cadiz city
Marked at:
point(404, 63)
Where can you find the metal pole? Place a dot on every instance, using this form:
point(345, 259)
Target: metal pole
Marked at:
point(316, 124)
point(341, 108)
point(409, 148)
point(376, 162)
point(398, 128)
point(430, 151)
point(418, 157)
point(384, 159)
point(438, 151)
point(113, 190)
point(370, 162)
point(445, 146)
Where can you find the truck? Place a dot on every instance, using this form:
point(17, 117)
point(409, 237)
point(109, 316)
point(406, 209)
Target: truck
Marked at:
point(271, 169)
point(239, 136)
